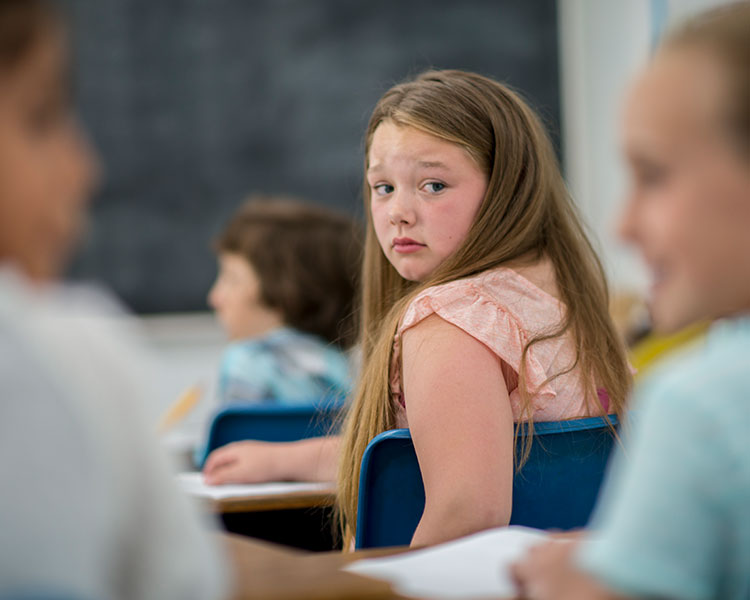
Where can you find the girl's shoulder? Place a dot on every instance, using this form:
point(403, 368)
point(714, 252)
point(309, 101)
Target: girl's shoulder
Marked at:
point(504, 310)
point(479, 297)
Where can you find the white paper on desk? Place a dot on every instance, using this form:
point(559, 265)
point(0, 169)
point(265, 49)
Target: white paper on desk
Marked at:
point(192, 483)
point(476, 566)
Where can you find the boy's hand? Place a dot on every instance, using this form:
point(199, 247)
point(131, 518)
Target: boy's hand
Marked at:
point(240, 462)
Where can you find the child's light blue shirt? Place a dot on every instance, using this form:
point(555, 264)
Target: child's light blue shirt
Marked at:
point(674, 519)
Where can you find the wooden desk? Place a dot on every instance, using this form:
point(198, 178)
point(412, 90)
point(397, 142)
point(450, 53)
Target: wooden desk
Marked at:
point(268, 571)
point(302, 519)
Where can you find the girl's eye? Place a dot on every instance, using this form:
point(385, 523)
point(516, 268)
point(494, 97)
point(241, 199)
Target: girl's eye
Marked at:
point(41, 120)
point(650, 173)
point(48, 113)
point(434, 187)
point(383, 189)
point(653, 176)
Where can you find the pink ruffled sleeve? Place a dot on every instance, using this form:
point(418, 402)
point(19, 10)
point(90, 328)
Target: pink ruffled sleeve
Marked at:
point(469, 307)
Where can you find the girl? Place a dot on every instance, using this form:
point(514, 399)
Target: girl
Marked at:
point(285, 295)
point(483, 301)
point(674, 522)
point(87, 509)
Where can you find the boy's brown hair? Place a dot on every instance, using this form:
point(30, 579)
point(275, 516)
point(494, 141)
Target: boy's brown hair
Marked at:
point(307, 259)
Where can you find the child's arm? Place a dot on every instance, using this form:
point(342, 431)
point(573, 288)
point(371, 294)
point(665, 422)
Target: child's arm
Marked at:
point(313, 459)
point(462, 426)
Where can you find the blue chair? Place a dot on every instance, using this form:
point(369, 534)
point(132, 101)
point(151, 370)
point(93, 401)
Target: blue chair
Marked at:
point(38, 595)
point(270, 423)
point(556, 488)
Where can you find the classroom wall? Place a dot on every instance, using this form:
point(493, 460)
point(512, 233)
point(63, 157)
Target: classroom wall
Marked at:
point(603, 43)
point(194, 104)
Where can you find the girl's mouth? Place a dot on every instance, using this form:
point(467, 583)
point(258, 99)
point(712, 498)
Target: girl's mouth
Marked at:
point(406, 245)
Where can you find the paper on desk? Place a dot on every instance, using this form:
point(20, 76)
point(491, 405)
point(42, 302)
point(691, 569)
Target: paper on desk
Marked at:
point(476, 566)
point(192, 483)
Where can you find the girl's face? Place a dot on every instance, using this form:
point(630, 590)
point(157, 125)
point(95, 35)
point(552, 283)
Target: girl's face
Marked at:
point(46, 169)
point(689, 203)
point(236, 298)
point(424, 195)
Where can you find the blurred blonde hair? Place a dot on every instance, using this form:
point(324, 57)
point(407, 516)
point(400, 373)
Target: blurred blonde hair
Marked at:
point(724, 32)
point(526, 215)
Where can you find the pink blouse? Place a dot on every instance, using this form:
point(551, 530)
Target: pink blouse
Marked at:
point(504, 310)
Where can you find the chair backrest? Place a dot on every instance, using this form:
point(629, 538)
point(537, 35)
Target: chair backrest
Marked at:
point(270, 423)
point(556, 488)
point(39, 595)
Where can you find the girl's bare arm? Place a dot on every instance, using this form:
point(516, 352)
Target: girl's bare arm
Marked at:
point(462, 426)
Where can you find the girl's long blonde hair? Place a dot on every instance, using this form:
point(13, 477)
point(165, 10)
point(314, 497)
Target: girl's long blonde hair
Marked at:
point(526, 215)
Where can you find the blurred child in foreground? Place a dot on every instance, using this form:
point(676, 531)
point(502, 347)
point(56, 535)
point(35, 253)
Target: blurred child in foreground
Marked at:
point(87, 508)
point(674, 519)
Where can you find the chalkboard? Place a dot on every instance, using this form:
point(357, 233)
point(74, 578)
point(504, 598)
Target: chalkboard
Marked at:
point(194, 104)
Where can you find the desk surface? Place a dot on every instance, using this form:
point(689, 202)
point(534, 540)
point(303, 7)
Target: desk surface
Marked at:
point(285, 501)
point(264, 570)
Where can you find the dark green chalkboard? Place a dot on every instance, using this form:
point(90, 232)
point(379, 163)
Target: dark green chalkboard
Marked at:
point(193, 104)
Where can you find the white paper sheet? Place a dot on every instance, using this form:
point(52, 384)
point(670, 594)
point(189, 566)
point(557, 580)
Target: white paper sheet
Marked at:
point(192, 483)
point(476, 566)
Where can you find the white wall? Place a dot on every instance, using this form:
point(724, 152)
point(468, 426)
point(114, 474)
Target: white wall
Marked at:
point(187, 350)
point(603, 43)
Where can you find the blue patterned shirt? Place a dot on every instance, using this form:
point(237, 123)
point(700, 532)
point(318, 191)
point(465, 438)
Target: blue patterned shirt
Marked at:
point(284, 366)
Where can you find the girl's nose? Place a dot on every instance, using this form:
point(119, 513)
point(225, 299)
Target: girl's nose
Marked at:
point(401, 209)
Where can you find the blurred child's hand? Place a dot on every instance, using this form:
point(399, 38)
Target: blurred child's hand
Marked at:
point(569, 536)
point(240, 462)
point(548, 572)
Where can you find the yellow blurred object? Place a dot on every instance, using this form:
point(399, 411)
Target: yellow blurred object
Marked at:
point(653, 348)
point(629, 314)
point(180, 408)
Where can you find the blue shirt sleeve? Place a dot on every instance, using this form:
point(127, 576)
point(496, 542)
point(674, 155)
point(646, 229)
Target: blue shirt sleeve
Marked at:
point(660, 517)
